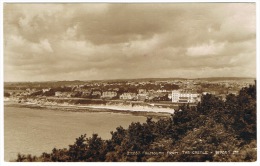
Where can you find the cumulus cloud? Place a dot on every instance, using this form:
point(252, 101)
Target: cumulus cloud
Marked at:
point(107, 41)
point(207, 49)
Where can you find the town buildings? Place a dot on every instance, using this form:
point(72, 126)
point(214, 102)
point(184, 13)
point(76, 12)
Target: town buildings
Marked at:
point(170, 92)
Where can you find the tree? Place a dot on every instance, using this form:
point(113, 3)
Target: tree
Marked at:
point(6, 94)
point(210, 137)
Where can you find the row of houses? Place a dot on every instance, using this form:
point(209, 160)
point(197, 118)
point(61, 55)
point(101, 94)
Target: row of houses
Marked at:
point(112, 94)
point(175, 96)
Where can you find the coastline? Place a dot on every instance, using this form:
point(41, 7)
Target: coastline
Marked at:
point(154, 112)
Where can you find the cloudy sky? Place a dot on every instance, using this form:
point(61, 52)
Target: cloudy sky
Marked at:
point(44, 42)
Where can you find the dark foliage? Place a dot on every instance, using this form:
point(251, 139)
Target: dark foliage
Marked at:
point(6, 94)
point(37, 93)
point(51, 92)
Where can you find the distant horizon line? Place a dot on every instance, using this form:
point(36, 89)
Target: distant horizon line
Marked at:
point(135, 79)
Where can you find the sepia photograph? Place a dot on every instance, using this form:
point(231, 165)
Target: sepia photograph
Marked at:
point(129, 82)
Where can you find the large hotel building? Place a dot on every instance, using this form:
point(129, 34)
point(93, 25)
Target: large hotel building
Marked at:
point(185, 96)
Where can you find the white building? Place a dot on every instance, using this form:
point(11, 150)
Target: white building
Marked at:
point(46, 90)
point(128, 96)
point(62, 94)
point(182, 96)
point(161, 90)
point(96, 92)
point(170, 96)
point(109, 94)
point(58, 94)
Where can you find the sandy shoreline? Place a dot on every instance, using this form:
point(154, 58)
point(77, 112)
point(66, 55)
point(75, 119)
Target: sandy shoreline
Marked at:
point(120, 106)
point(136, 110)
